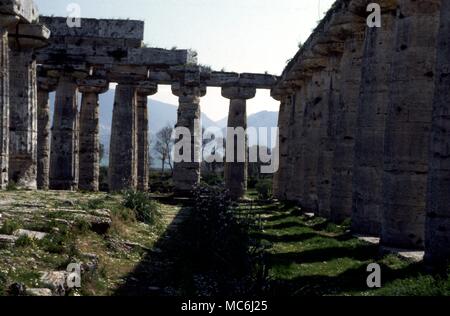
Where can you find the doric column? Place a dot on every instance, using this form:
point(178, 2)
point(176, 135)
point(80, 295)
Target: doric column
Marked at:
point(123, 147)
point(408, 124)
point(280, 178)
point(315, 102)
point(437, 233)
point(145, 89)
point(24, 39)
point(45, 86)
point(5, 20)
point(64, 143)
point(237, 169)
point(350, 70)
point(186, 174)
point(295, 189)
point(331, 79)
point(23, 120)
point(89, 152)
point(370, 128)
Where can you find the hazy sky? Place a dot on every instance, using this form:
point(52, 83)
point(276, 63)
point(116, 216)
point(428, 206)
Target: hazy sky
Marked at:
point(235, 35)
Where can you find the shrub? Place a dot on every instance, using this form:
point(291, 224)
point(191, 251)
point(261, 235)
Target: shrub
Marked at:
point(57, 243)
point(12, 186)
point(218, 245)
point(212, 179)
point(24, 241)
point(146, 210)
point(264, 189)
point(3, 283)
point(9, 227)
point(82, 226)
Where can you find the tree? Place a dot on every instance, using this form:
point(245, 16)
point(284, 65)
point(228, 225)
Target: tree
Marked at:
point(163, 146)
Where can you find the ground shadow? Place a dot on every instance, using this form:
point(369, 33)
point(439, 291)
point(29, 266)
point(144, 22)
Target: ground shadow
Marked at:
point(352, 280)
point(158, 273)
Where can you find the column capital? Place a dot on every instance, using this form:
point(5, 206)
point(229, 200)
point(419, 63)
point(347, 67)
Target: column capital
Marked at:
point(236, 92)
point(181, 90)
point(146, 88)
point(28, 36)
point(47, 83)
point(89, 85)
point(281, 93)
point(6, 20)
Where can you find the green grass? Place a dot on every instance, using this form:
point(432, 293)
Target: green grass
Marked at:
point(310, 256)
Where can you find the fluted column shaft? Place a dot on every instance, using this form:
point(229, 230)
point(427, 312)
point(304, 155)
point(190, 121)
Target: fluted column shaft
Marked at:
point(437, 234)
point(143, 92)
point(186, 174)
point(4, 106)
point(370, 129)
point(23, 119)
point(408, 124)
point(89, 165)
point(327, 134)
point(64, 143)
point(350, 69)
point(43, 135)
point(295, 190)
point(236, 171)
point(311, 135)
point(280, 177)
point(123, 148)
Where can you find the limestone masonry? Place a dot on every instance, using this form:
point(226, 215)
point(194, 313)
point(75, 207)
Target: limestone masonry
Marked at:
point(359, 108)
point(364, 128)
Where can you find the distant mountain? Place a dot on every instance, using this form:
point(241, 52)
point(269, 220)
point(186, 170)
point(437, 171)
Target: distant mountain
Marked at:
point(161, 114)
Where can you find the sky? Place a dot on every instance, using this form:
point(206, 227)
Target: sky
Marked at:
point(235, 35)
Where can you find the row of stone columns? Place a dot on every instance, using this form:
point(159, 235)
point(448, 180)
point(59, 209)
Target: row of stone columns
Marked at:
point(381, 157)
point(70, 159)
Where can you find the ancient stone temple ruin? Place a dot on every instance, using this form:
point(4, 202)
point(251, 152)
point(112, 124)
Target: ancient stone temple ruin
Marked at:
point(51, 55)
point(359, 107)
point(363, 121)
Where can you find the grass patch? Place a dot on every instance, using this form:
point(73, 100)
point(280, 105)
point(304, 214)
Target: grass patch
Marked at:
point(24, 241)
point(9, 227)
point(311, 256)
